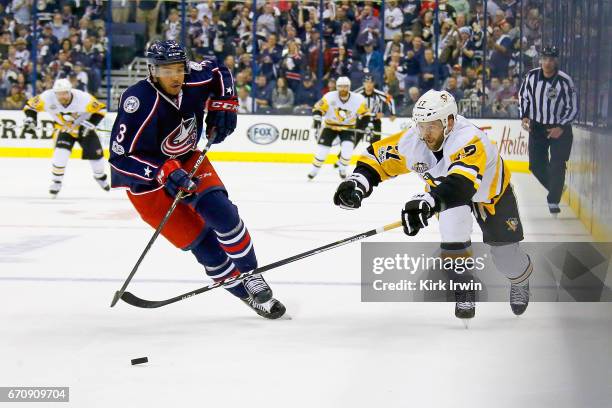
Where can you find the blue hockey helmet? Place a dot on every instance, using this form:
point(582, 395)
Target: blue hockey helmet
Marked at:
point(165, 52)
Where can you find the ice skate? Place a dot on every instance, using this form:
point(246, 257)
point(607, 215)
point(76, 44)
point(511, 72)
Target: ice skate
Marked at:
point(465, 306)
point(519, 297)
point(272, 309)
point(55, 188)
point(258, 289)
point(102, 182)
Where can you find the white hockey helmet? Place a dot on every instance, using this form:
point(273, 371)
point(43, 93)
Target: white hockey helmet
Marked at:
point(62, 85)
point(343, 81)
point(435, 105)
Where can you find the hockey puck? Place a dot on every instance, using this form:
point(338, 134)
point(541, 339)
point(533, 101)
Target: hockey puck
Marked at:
point(140, 360)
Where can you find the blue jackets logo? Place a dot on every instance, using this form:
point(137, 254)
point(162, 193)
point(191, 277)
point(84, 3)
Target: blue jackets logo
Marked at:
point(263, 133)
point(182, 139)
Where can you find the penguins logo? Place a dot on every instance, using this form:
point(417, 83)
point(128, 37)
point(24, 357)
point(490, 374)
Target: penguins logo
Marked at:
point(182, 139)
point(512, 224)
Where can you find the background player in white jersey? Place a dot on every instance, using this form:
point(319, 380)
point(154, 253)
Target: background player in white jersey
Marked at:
point(464, 174)
point(76, 115)
point(344, 112)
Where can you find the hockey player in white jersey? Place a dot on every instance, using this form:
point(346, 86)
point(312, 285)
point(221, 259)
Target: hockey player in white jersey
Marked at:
point(344, 113)
point(76, 115)
point(465, 175)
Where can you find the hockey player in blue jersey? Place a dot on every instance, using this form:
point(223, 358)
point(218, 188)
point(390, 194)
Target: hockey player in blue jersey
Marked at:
point(153, 148)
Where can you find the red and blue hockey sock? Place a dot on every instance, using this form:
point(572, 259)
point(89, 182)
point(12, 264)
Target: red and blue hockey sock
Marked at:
point(222, 216)
point(217, 265)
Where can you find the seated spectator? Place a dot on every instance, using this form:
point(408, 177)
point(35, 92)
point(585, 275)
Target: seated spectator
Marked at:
point(392, 86)
point(267, 21)
point(16, 98)
point(373, 61)
point(432, 72)
point(263, 94)
point(282, 97)
point(245, 100)
point(453, 88)
point(501, 51)
point(413, 96)
point(341, 65)
point(59, 28)
point(292, 65)
point(307, 94)
point(395, 44)
point(172, 26)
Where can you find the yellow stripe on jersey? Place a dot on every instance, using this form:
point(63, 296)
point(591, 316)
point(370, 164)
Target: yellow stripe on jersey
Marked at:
point(322, 106)
point(470, 161)
point(363, 110)
point(386, 160)
point(95, 106)
point(35, 103)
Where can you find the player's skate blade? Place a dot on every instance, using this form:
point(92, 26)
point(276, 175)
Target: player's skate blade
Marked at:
point(55, 188)
point(258, 288)
point(519, 297)
point(554, 210)
point(103, 183)
point(272, 309)
point(465, 306)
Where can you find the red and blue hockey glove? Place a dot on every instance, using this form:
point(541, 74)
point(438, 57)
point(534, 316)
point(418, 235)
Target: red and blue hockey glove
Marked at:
point(223, 116)
point(416, 213)
point(175, 179)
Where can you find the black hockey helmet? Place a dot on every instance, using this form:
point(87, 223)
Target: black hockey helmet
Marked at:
point(165, 52)
point(550, 51)
point(367, 75)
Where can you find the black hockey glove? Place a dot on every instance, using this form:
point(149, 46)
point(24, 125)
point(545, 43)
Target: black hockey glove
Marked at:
point(350, 192)
point(222, 115)
point(316, 121)
point(416, 213)
point(29, 124)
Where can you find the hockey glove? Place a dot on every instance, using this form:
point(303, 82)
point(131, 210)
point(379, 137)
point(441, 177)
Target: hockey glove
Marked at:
point(29, 124)
point(416, 213)
point(222, 115)
point(369, 130)
point(316, 121)
point(351, 192)
point(175, 179)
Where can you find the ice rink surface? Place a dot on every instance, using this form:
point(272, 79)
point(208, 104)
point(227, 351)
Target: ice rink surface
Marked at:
point(61, 261)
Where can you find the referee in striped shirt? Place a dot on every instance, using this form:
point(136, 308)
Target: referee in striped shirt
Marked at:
point(548, 104)
point(376, 101)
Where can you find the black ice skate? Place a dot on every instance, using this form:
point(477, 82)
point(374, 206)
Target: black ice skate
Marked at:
point(272, 309)
point(554, 209)
point(465, 306)
point(102, 182)
point(55, 188)
point(519, 297)
point(258, 289)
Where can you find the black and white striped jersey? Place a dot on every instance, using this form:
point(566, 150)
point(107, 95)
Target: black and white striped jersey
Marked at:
point(548, 101)
point(377, 100)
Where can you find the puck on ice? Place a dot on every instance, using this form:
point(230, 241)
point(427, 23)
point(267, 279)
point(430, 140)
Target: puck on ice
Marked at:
point(140, 360)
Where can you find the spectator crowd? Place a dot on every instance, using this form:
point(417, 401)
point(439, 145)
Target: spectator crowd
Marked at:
point(298, 50)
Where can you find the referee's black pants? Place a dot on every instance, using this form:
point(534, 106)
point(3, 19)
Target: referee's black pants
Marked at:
point(548, 158)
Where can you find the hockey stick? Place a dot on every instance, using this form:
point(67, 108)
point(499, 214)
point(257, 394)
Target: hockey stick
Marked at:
point(179, 196)
point(150, 304)
point(15, 127)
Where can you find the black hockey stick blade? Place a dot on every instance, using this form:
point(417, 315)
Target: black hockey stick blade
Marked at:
point(134, 300)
